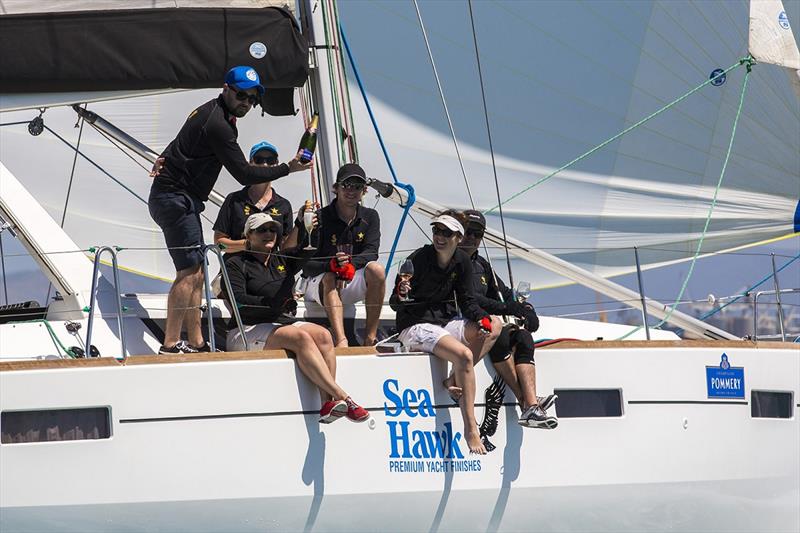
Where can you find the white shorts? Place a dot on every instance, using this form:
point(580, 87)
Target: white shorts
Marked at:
point(353, 292)
point(257, 335)
point(423, 337)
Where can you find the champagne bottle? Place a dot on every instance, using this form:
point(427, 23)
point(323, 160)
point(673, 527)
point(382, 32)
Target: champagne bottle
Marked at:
point(309, 141)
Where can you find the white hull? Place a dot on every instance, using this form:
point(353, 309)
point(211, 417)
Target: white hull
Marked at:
point(234, 445)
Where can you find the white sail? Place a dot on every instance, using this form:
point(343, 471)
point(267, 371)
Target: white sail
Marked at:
point(771, 37)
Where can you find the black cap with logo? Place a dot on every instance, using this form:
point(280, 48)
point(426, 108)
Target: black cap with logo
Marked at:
point(350, 171)
point(475, 217)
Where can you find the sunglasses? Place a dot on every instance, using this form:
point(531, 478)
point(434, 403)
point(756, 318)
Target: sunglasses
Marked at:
point(244, 95)
point(477, 233)
point(265, 229)
point(443, 232)
point(351, 185)
point(272, 160)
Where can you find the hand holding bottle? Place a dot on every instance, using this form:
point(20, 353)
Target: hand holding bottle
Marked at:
point(296, 164)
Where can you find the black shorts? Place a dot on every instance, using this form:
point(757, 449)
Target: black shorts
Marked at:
point(178, 215)
point(513, 338)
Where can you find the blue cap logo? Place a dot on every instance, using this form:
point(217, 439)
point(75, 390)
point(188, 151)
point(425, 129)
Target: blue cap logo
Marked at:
point(244, 77)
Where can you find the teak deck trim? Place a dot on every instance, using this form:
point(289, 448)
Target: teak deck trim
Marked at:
point(41, 364)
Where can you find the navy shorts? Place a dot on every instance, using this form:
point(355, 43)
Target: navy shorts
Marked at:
point(178, 215)
point(513, 338)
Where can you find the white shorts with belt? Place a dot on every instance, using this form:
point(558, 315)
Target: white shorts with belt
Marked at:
point(353, 292)
point(423, 337)
point(257, 335)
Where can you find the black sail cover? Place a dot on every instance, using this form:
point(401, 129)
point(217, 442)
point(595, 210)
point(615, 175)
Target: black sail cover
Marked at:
point(189, 48)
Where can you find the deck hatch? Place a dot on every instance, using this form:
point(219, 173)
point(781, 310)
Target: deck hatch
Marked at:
point(771, 404)
point(589, 403)
point(52, 425)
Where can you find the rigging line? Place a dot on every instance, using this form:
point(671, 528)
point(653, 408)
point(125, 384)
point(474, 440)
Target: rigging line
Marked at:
point(491, 151)
point(3, 267)
point(749, 62)
point(618, 135)
point(15, 123)
point(98, 167)
point(119, 147)
point(444, 103)
point(347, 111)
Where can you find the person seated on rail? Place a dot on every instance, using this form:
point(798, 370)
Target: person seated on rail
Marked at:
point(262, 278)
point(492, 295)
point(345, 269)
point(427, 321)
point(258, 198)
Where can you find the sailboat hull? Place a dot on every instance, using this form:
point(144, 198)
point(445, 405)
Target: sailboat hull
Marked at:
point(234, 444)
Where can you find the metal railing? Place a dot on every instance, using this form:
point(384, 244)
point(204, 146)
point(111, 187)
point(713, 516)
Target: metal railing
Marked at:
point(777, 294)
point(93, 299)
point(234, 307)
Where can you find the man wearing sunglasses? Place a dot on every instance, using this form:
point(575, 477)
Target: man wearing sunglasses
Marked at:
point(257, 198)
point(190, 166)
point(347, 225)
point(518, 372)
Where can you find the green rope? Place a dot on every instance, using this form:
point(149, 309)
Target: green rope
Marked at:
point(56, 341)
point(620, 134)
point(346, 89)
point(334, 92)
point(749, 62)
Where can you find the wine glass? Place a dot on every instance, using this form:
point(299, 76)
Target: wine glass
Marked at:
point(406, 272)
point(308, 222)
point(523, 291)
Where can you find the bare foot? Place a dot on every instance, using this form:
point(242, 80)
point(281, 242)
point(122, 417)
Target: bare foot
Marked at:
point(369, 341)
point(453, 390)
point(473, 438)
point(341, 344)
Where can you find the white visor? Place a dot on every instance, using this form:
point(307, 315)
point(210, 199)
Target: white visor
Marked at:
point(449, 222)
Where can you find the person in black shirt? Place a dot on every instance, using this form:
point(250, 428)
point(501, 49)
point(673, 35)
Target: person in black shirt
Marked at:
point(347, 253)
point(258, 198)
point(427, 321)
point(190, 165)
point(492, 294)
point(261, 282)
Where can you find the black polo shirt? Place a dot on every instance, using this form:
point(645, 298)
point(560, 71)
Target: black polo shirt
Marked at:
point(237, 207)
point(364, 233)
point(206, 143)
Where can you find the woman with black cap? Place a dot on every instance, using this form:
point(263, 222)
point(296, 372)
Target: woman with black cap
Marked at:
point(262, 281)
point(427, 322)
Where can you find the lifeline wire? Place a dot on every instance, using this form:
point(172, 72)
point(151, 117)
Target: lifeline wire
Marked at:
point(749, 61)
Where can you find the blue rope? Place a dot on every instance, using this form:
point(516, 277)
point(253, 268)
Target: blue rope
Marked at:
point(406, 187)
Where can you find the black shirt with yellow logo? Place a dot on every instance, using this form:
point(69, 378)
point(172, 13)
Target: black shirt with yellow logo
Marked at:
point(237, 207)
point(435, 290)
point(262, 292)
point(363, 232)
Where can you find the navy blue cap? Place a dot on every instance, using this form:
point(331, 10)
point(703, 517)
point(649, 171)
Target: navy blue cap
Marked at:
point(244, 78)
point(475, 217)
point(263, 145)
point(349, 171)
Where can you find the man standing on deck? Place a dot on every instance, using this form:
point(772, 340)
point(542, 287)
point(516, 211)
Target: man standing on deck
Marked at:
point(519, 372)
point(191, 165)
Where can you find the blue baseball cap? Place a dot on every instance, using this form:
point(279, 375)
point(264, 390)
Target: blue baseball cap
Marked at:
point(263, 145)
point(243, 78)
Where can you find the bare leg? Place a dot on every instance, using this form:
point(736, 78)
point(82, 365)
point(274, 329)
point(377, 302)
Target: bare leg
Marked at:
point(333, 308)
point(450, 349)
point(191, 320)
point(479, 345)
point(507, 371)
point(322, 338)
point(376, 288)
point(180, 298)
point(526, 373)
point(309, 358)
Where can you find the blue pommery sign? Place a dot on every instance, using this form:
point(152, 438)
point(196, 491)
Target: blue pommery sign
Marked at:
point(725, 381)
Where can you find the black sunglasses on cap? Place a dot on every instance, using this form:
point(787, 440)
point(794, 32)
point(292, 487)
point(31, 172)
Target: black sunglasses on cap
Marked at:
point(269, 160)
point(443, 232)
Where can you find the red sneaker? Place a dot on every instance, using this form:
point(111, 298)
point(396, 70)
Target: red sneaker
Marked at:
point(332, 410)
point(355, 412)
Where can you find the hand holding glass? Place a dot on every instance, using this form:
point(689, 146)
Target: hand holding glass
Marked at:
point(344, 251)
point(406, 272)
